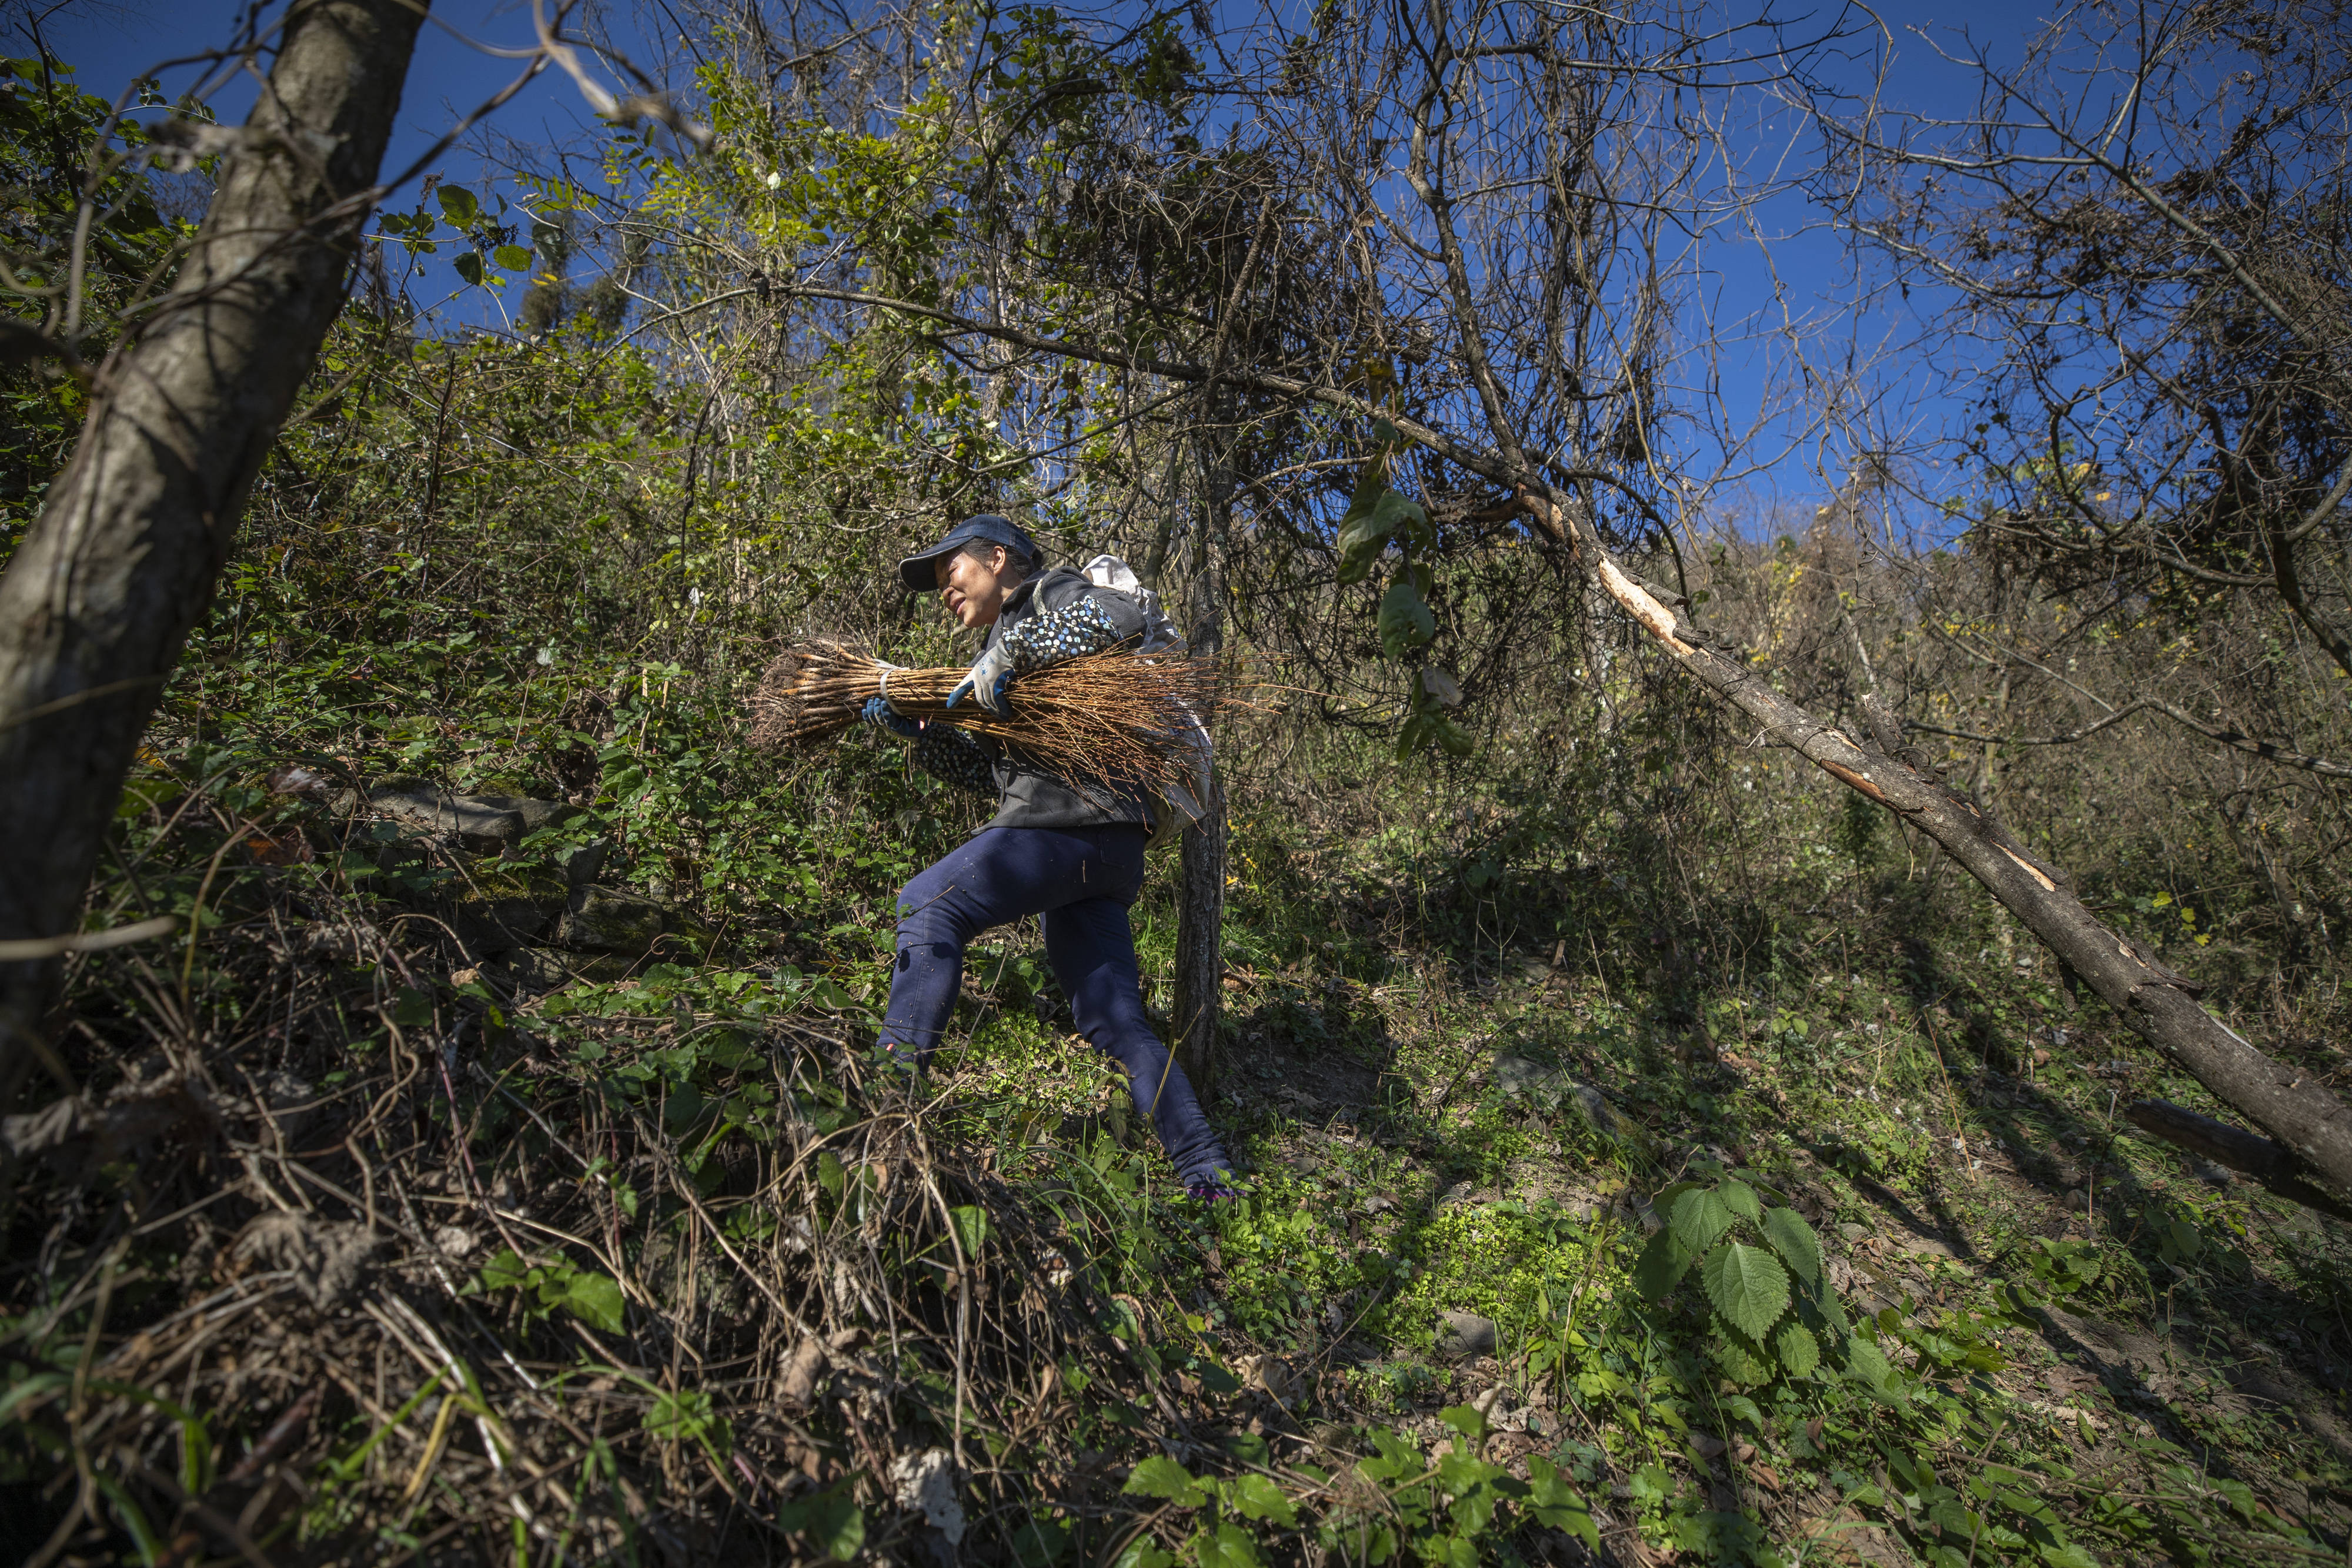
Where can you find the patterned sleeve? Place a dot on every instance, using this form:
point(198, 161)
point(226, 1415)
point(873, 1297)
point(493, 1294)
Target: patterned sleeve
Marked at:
point(1082, 626)
point(951, 756)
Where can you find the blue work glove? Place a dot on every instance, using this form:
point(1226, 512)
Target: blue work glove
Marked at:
point(880, 712)
point(990, 677)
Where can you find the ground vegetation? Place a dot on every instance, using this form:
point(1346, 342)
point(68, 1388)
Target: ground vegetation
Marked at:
point(1656, 1149)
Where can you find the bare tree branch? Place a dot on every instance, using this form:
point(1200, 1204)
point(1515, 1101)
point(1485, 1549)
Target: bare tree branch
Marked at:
point(2269, 751)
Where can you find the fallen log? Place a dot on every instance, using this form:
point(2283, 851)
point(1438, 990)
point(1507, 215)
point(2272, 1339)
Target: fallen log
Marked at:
point(2267, 1161)
point(2158, 1004)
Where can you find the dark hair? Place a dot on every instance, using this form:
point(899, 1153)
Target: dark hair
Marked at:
point(978, 549)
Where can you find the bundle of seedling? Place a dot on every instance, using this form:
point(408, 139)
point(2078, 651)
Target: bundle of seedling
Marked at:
point(1115, 717)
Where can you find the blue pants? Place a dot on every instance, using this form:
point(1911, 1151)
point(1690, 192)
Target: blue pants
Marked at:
point(1081, 880)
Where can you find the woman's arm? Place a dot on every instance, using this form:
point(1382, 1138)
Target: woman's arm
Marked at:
point(953, 758)
point(1087, 620)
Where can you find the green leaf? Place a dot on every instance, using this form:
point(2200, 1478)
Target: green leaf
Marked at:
point(1739, 1198)
point(1039, 1542)
point(2237, 1494)
point(151, 1547)
point(468, 266)
point(1475, 1488)
point(1361, 543)
point(1144, 1552)
point(1867, 1365)
point(970, 1227)
point(1794, 1241)
point(1398, 513)
point(1251, 1448)
point(686, 1416)
point(458, 205)
point(1371, 485)
point(1405, 621)
point(1434, 729)
point(1663, 1203)
point(831, 1521)
point(1699, 1218)
point(1163, 1478)
point(1230, 1547)
point(1466, 1420)
point(514, 257)
point(1257, 1497)
point(1739, 1357)
point(195, 1456)
point(1831, 1314)
point(595, 1300)
point(1799, 1352)
point(1747, 1285)
point(1557, 1504)
point(1662, 1265)
point(1955, 1520)
point(1392, 1457)
point(506, 1269)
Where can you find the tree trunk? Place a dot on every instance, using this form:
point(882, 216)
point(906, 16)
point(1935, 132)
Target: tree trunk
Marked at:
point(102, 595)
point(1200, 947)
point(2286, 1102)
point(1989, 795)
point(1201, 876)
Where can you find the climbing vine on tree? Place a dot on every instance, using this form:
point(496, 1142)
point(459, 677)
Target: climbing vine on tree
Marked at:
point(1377, 516)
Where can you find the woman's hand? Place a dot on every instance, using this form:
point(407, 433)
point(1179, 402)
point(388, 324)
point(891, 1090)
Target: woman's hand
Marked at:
point(878, 713)
point(988, 679)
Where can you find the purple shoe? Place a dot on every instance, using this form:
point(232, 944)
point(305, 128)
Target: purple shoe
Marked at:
point(1212, 1192)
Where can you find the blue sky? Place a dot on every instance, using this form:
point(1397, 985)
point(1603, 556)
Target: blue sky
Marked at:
point(112, 41)
point(109, 42)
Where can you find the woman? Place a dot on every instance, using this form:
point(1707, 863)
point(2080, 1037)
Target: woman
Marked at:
point(1072, 856)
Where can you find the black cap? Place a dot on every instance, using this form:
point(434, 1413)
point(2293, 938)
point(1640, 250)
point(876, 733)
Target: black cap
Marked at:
point(920, 572)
